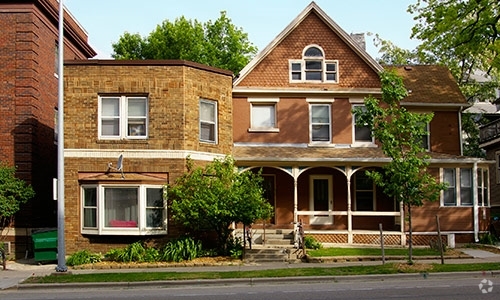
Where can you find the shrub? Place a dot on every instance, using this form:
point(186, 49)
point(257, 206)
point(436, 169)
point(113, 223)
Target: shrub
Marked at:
point(181, 249)
point(488, 239)
point(83, 257)
point(311, 243)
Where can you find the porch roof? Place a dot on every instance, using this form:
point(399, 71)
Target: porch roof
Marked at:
point(319, 155)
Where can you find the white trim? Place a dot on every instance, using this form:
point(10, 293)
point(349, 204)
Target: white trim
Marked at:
point(355, 100)
point(141, 153)
point(320, 100)
point(215, 121)
point(337, 91)
point(263, 100)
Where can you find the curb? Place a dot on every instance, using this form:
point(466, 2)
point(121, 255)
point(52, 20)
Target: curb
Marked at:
point(255, 281)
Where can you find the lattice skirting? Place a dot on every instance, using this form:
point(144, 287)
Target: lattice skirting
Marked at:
point(331, 238)
point(375, 239)
point(426, 240)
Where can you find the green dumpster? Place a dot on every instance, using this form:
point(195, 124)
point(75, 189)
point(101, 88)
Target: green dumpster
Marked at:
point(45, 245)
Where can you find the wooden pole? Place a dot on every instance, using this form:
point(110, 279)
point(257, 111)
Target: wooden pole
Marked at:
point(440, 242)
point(382, 242)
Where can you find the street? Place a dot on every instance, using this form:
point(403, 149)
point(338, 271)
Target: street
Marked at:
point(392, 288)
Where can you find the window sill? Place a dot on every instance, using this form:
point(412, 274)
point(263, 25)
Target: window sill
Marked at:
point(263, 130)
point(124, 231)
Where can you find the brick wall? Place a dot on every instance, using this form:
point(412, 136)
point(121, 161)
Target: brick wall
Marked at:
point(173, 91)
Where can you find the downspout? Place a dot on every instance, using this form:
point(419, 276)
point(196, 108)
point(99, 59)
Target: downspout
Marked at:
point(461, 133)
point(476, 206)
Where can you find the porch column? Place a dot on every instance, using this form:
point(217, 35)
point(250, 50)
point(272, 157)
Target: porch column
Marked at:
point(349, 211)
point(295, 172)
point(476, 204)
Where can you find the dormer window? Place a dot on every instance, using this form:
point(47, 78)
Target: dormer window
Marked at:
point(313, 67)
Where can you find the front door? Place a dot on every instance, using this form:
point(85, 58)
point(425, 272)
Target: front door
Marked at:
point(321, 199)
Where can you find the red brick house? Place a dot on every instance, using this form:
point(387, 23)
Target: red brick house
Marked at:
point(293, 117)
point(28, 93)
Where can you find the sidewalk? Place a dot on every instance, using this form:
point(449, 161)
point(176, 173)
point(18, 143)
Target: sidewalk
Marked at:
point(19, 271)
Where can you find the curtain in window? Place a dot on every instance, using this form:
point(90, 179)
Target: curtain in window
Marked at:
point(120, 207)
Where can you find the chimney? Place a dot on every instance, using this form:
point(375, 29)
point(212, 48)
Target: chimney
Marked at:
point(359, 38)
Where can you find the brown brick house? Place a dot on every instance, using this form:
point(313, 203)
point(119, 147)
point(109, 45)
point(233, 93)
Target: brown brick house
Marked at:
point(153, 114)
point(293, 118)
point(28, 94)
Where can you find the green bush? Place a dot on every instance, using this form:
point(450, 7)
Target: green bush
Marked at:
point(311, 243)
point(181, 249)
point(235, 247)
point(488, 239)
point(83, 257)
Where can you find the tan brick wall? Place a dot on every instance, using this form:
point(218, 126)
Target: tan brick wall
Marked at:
point(173, 93)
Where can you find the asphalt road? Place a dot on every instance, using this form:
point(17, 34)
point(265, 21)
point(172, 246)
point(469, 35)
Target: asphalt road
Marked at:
point(428, 288)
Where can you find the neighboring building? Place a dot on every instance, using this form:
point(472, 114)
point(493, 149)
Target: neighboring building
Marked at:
point(28, 95)
point(152, 114)
point(293, 118)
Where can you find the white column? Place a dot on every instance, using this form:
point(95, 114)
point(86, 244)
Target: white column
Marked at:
point(475, 201)
point(349, 201)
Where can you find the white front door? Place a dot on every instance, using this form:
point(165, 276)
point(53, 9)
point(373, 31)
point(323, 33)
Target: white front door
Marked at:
point(321, 199)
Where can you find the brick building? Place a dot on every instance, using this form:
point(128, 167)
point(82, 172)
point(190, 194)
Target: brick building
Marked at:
point(152, 114)
point(28, 96)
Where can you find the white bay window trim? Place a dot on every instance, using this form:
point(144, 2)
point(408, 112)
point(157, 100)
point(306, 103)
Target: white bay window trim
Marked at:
point(123, 117)
point(97, 215)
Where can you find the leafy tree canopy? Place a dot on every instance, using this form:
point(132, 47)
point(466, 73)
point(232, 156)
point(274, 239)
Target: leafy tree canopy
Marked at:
point(400, 133)
point(13, 193)
point(218, 44)
point(215, 196)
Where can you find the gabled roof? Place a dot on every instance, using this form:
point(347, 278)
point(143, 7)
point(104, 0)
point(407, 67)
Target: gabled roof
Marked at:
point(311, 8)
point(430, 85)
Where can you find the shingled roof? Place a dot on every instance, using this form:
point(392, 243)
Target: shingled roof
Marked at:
point(430, 84)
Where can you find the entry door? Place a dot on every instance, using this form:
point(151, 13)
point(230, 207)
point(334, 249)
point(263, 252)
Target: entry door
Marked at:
point(321, 198)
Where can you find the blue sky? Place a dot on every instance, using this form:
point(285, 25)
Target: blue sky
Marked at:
point(106, 20)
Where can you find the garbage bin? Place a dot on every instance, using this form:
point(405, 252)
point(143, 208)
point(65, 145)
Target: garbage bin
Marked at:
point(45, 245)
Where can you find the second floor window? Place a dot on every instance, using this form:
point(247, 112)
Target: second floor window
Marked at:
point(362, 134)
point(313, 67)
point(123, 117)
point(208, 121)
point(320, 120)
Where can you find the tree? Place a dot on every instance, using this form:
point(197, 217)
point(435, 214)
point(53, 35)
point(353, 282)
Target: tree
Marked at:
point(13, 193)
point(400, 133)
point(218, 44)
point(215, 196)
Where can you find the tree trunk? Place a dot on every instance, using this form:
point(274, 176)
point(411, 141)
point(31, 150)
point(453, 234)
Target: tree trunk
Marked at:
point(410, 238)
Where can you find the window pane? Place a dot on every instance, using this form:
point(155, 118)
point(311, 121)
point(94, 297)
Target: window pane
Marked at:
point(136, 107)
point(296, 76)
point(120, 207)
point(90, 196)
point(263, 116)
point(313, 51)
point(136, 127)
point(207, 111)
point(154, 197)
point(110, 127)
point(313, 76)
point(90, 217)
point(331, 67)
point(331, 76)
point(110, 107)
point(154, 210)
point(450, 193)
point(90, 207)
point(465, 186)
point(320, 133)
point(364, 201)
point(207, 132)
point(449, 197)
point(296, 67)
point(313, 64)
point(320, 114)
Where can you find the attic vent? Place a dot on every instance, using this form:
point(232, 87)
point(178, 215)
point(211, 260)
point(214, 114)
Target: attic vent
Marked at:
point(408, 68)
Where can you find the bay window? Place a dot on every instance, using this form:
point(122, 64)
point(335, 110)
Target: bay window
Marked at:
point(123, 209)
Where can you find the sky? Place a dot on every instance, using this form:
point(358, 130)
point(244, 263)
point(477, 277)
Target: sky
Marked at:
point(106, 20)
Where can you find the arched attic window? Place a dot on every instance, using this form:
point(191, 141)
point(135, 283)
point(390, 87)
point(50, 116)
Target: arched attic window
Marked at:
point(313, 67)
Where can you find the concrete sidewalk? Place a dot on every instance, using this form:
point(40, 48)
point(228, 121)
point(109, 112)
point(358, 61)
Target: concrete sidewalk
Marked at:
point(19, 271)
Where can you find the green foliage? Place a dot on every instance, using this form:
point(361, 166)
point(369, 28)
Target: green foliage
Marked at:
point(134, 252)
point(488, 239)
point(235, 247)
point(400, 133)
point(213, 197)
point(182, 249)
point(13, 193)
point(83, 257)
point(218, 44)
point(311, 243)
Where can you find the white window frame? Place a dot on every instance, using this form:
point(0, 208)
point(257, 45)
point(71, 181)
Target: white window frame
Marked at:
point(458, 187)
point(329, 123)
point(325, 64)
point(213, 122)
point(426, 139)
point(356, 190)
point(270, 103)
point(103, 229)
point(124, 119)
point(354, 129)
point(483, 191)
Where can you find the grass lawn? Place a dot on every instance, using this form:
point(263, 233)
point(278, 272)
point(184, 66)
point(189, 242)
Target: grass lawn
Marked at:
point(389, 268)
point(373, 252)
